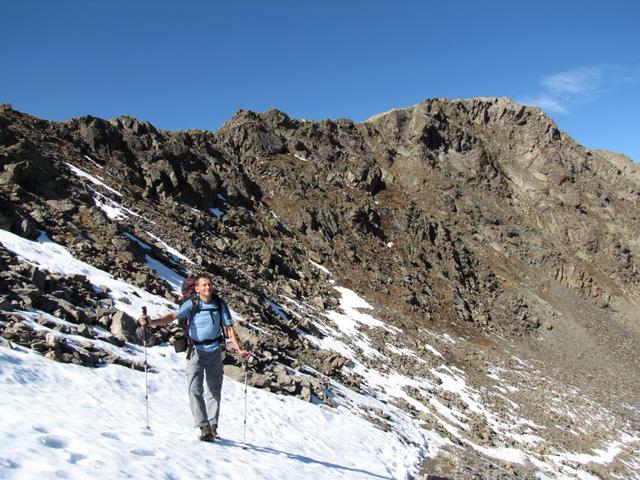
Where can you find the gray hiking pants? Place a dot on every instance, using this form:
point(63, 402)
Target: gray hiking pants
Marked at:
point(201, 367)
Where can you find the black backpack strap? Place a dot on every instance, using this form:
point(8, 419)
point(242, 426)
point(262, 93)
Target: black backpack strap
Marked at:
point(195, 306)
point(222, 337)
point(223, 333)
point(220, 309)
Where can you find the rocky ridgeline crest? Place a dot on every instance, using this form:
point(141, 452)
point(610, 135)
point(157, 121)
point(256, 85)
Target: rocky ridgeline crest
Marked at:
point(469, 217)
point(449, 210)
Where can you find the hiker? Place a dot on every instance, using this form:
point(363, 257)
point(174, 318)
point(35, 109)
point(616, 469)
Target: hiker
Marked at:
point(205, 320)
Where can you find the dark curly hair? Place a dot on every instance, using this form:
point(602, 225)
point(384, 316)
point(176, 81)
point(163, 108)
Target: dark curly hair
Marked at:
point(204, 275)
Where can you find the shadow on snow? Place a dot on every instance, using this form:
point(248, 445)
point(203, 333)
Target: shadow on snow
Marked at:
point(299, 458)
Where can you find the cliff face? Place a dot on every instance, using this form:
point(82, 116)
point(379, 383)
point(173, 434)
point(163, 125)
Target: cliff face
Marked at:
point(476, 218)
point(495, 219)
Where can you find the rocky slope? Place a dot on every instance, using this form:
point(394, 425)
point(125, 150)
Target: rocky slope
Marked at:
point(474, 220)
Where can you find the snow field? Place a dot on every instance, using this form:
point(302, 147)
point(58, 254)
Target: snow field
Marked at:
point(99, 426)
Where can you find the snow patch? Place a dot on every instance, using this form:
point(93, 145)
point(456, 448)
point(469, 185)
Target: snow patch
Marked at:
point(169, 275)
point(216, 212)
point(320, 267)
point(170, 249)
point(93, 161)
point(277, 309)
point(91, 178)
point(55, 258)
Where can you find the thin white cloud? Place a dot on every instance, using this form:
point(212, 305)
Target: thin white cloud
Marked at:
point(561, 92)
point(546, 103)
point(574, 82)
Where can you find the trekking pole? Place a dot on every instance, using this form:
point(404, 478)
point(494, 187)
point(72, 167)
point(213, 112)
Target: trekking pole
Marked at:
point(244, 437)
point(146, 377)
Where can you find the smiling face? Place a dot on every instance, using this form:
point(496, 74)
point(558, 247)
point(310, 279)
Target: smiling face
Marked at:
point(204, 289)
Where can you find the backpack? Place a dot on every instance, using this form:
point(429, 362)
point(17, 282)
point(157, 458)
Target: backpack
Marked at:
point(186, 343)
point(188, 289)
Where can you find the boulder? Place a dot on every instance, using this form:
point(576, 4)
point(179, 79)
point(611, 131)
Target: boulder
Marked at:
point(124, 326)
point(85, 331)
point(38, 278)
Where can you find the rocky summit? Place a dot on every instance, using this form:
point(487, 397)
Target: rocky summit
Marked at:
point(474, 229)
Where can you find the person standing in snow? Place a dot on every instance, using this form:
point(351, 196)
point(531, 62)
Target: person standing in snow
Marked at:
point(204, 359)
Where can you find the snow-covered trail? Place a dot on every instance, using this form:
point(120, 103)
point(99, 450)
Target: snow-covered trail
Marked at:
point(67, 421)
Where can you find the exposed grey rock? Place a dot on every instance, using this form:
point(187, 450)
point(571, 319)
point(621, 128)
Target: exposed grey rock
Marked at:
point(38, 278)
point(52, 341)
point(123, 326)
point(85, 331)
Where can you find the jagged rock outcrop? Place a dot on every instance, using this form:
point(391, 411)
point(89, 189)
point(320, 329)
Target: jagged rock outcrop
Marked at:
point(463, 204)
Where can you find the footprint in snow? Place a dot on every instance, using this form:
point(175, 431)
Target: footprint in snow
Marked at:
point(76, 457)
point(112, 436)
point(40, 429)
point(52, 441)
point(142, 452)
point(9, 463)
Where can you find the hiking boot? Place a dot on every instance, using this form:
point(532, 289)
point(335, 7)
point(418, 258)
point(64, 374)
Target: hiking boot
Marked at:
point(206, 434)
point(214, 432)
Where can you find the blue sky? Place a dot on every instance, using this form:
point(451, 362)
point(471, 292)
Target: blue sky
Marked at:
point(193, 64)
